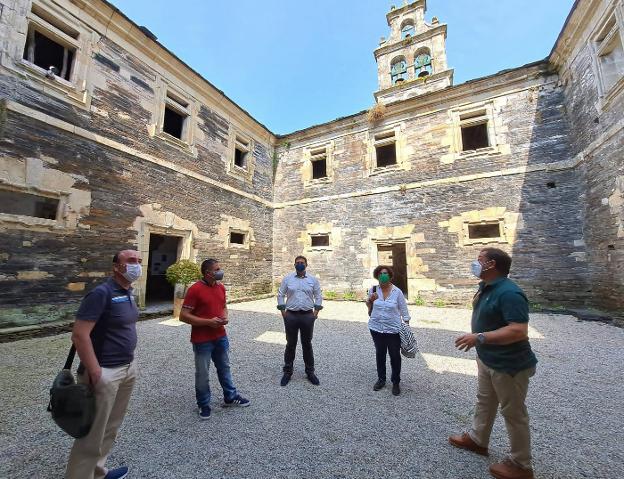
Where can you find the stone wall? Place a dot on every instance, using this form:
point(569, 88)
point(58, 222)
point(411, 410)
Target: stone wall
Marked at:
point(597, 141)
point(119, 180)
point(526, 179)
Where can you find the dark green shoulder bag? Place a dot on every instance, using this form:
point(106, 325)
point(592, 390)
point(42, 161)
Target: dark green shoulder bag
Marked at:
point(72, 405)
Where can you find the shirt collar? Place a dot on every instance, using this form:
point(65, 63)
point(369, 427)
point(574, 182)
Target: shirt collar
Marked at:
point(115, 285)
point(494, 283)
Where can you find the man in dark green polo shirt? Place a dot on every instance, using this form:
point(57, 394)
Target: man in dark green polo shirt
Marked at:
point(505, 362)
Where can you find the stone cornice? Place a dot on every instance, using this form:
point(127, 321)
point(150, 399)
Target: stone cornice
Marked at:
point(398, 11)
point(414, 83)
point(383, 50)
point(499, 82)
point(570, 37)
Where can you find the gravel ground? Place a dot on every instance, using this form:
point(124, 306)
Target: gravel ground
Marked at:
point(341, 429)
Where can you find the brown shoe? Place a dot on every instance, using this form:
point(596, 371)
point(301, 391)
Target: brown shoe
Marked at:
point(508, 470)
point(464, 441)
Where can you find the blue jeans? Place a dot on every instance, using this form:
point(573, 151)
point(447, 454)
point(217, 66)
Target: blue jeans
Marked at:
point(216, 350)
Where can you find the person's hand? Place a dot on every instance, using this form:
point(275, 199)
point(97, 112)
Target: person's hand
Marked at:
point(373, 297)
point(283, 313)
point(223, 321)
point(316, 312)
point(214, 323)
point(466, 342)
point(95, 375)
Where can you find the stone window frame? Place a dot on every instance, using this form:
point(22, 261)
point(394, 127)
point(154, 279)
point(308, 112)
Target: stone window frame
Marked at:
point(25, 221)
point(246, 242)
point(310, 248)
point(174, 97)
point(400, 150)
point(598, 43)
point(238, 138)
point(474, 115)
point(465, 239)
point(77, 89)
point(312, 151)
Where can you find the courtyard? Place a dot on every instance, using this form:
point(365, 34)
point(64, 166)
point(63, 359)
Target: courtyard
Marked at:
point(340, 429)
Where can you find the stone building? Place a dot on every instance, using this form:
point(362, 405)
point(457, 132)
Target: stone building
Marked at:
point(108, 141)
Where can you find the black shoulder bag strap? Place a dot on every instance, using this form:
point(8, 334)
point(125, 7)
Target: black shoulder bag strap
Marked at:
point(70, 357)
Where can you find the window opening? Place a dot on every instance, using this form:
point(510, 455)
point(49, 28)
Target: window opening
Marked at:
point(237, 238)
point(398, 72)
point(422, 65)
point(475, 137)
point(320, 241)
point(319, 164)
point(484, 231)
point(46, 53)
point(408, 30)
point(173, 123)
point(385, 149)
point(241, 150)
point(27, 204)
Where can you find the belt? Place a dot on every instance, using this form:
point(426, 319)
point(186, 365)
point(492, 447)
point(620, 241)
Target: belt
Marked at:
point(299, 311)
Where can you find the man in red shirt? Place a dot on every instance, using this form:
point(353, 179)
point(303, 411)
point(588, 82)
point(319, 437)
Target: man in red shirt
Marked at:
point(205, 310)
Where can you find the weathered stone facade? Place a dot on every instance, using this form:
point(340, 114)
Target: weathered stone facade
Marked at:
point(529, 160)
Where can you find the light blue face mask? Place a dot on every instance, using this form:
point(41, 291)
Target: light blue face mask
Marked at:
point(133, 272)
point(476, 268)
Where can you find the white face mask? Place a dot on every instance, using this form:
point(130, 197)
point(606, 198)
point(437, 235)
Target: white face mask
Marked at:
point(476, 268)
point(133, 272)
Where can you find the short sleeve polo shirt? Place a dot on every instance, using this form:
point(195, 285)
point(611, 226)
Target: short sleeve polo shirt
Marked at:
point(114, 311)
point(498, 304)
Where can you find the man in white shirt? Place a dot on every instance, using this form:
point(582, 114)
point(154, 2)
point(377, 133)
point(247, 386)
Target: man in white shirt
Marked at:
point(299, 299)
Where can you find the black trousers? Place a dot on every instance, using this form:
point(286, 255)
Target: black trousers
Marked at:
point(388, 344)
point(296, 323)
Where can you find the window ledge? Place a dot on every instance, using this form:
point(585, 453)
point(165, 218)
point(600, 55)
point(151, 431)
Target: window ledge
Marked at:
point(58, 84)
point(30, 220)
point(318, 181)
point(468, 242)
point(177, 143)
point(380, 170)
point(488, 150)
point(320, 248)
point(612, 94)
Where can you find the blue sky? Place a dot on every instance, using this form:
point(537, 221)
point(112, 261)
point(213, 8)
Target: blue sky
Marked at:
point(293, 64)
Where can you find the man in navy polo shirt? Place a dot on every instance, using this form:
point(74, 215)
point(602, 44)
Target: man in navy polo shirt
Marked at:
point(105, 337)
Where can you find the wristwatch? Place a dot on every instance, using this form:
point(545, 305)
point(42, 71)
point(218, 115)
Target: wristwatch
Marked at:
point(481, 338)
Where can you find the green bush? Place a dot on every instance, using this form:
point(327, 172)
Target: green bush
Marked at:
point(350, 295)
point(330, 295)
point(439, 303)
point(419, 301)
point(183, 272)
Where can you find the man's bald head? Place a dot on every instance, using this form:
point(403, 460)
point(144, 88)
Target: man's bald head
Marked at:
point(127, 256)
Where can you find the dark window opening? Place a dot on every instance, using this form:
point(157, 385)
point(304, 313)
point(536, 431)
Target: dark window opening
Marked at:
point(173, 123)
point(491, 230)
point(611, 247)
point(386, 155)
point(240, 158)
point(319, 168)
point(16, 203)
point(320, 240)
point(237, 238)
point(46, 53)
point(475, 137)
point(551, 184)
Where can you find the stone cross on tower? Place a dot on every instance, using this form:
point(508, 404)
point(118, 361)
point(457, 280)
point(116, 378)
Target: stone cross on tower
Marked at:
point(412, 61)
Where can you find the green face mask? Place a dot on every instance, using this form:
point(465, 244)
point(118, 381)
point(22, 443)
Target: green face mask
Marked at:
point(384, 278)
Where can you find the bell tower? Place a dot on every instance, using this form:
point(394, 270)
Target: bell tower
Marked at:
point(412, 60)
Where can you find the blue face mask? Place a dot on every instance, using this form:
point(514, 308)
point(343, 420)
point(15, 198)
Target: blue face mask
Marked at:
point(300, 267)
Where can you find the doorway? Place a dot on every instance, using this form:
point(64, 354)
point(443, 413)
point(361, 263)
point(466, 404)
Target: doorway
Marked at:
point(163, 252)
point(395, 255)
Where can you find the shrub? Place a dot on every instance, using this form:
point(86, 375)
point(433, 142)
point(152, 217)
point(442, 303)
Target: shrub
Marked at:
point(183, 272)
point(439, 303)
point(330, 295)
point(419, 301)
point(376, 113)
point(350, 295)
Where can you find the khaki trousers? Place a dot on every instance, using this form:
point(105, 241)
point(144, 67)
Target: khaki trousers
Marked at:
point(112, 394)
point(494, 388)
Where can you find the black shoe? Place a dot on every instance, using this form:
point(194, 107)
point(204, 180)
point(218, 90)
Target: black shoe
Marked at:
point(380, 384)
point(285, 379)
point(313, 379)
point(396, 390)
